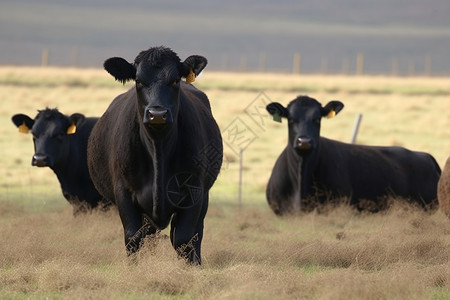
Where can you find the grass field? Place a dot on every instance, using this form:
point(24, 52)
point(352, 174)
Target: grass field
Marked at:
point(402, 253)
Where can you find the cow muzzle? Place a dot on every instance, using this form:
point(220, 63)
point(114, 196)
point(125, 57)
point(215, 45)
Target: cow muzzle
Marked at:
point(303, 143)
point(158, 115)
point(40, 160)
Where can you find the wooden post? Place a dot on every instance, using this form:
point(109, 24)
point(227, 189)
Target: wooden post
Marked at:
point(359, 64)
point(44, 59)
point(394, 67)
point(75, 56)
point(324, 65)
point(243, 64)
point(225, 62)
point(427, 65)
point(296, 64)
point(262, 62)
point(411, 68)
point(345, 66)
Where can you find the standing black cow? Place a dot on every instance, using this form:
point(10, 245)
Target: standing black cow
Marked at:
point(157, 150)
point(60, 143)
point(313, 168)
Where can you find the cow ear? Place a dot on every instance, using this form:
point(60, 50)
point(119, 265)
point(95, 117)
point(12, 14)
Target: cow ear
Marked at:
point(120, 69)
point(332, 108)
point(23, 122)
point(75, 120)
point(192, 66)
point(276, 110)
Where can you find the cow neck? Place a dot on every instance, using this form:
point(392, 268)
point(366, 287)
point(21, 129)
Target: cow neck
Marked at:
point(161, 151)
point(159, 148)
point(301, 170)
point(65, 171)
point(62, 173)
point(294, 165)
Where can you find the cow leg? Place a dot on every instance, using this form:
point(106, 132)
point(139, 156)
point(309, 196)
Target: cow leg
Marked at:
point(134, 226)
point(186, 233)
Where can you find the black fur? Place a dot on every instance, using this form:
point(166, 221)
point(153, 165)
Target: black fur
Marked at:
point(65, 153)
point(325, 169)
point(135, 162)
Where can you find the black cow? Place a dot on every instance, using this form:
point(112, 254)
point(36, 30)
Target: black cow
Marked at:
point(60, 143)
point(313, 169)
point(157, 150)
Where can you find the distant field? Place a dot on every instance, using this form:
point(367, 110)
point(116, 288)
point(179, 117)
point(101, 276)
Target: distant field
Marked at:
point(248, 253)
point(410, 112)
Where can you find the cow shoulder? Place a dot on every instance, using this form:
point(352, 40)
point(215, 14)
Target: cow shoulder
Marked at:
point(281, 180)
point(194, 95)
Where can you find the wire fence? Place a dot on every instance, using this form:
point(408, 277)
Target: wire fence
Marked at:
point(356, 64)
point(359, 64)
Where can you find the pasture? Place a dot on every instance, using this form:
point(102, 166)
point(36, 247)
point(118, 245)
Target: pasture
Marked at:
point(248, 252)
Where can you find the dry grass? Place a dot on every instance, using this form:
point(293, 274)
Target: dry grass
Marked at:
point(444, 189)
point(400, 254)
point(248, 252)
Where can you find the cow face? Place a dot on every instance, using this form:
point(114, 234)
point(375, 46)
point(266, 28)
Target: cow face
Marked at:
point(51, 130)
point(304, 115)
point(157, 73)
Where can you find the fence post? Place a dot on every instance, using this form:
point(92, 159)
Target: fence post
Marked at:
point(411, 68)
point(359, 64)
point(296, 64)
point(427, 65)
point(75, 55)
point(394, 67)
point(262, 61)
point(356, 128)
point(345, 66)
point(225, 62)
point(324, 65)
point(243, 64)
point(44, 58)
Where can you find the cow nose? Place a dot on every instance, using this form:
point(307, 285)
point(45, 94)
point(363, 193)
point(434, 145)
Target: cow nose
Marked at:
point(304, 143)
point(157, 115)
point(39, 160)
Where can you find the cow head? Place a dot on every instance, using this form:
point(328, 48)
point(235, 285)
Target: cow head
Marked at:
point(51, 130)
point(304, 115)
point(157, 73)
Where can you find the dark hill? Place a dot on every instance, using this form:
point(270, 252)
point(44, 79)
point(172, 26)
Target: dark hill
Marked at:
point(414, 35)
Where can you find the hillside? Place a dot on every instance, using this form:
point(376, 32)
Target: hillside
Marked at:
point(234, 34)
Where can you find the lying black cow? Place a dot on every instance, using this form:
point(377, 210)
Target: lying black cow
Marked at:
point(313, 169)
point(157, 150)
point(60, 143)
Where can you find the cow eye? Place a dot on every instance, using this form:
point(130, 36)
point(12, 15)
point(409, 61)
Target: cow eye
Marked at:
point(175, 82)
point(59, 135)
point(139, 83)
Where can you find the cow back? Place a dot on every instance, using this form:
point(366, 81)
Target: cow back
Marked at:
point(371, 172)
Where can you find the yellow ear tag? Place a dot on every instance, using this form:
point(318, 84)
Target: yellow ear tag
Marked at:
point(24, 128)
point(72, 129)
point(191, 77)
point(331, 114)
